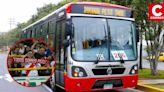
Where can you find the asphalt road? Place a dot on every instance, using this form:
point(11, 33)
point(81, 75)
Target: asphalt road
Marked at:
point(8, 85)
point(146, 64)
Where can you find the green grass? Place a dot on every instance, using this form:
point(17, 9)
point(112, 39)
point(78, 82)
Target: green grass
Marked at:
point(146, 74)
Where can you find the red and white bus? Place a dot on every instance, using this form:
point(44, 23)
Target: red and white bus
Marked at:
point(95, 46)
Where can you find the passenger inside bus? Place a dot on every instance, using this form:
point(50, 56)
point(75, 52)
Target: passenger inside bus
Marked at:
point(30, 54)
point(21, 49)
point(27, 49)
point(30, 49)
point(40, 54)
point(91, 43)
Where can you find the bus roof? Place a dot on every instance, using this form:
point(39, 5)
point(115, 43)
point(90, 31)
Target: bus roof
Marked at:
point(69, 9)
point(100, 4)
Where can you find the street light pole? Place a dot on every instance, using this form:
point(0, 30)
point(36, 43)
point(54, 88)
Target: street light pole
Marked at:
point(11, 22)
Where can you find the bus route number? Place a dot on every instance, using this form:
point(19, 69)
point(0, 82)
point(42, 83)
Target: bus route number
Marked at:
point(100, 56)
point(117, 55)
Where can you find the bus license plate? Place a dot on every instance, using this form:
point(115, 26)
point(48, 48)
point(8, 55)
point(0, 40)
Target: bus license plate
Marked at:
point(108, 86)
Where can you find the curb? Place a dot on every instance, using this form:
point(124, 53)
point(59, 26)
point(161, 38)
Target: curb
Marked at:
point(147, 88)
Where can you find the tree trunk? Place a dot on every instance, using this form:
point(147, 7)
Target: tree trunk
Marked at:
point(153, 67)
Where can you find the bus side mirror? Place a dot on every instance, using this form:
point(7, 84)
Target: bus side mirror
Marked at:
point(66, 43)
point(68, 29)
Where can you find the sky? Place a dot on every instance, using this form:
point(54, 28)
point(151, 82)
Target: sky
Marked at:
point(19, 11)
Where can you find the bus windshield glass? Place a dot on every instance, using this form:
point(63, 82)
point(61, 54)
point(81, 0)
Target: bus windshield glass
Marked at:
point(103, 39)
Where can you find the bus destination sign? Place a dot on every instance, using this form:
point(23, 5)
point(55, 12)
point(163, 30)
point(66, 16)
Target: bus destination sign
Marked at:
point(101, 10)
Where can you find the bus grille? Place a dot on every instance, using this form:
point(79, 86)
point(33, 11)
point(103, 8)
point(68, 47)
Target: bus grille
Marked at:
point(100, 83)
point(103, 71)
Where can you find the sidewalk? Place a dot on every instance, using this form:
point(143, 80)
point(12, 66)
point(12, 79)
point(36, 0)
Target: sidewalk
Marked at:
point(151, 81)
point(145, 85)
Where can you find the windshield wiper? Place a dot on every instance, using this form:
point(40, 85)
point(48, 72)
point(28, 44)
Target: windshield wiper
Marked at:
point(99, 55)
point(122, 61)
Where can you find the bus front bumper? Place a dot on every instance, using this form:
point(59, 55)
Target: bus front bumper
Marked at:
point(99, 84)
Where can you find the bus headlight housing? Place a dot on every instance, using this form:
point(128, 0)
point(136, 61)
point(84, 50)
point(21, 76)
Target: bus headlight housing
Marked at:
point(134, 69)
point(78, 72)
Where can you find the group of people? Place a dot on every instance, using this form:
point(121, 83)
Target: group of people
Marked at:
point(32, 49)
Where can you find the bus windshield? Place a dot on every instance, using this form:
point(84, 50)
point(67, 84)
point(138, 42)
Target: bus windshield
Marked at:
point(103, 39)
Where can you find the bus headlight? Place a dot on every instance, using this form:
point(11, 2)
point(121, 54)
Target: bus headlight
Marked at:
point(134, 69)
point(81, 74)
point(78, 72)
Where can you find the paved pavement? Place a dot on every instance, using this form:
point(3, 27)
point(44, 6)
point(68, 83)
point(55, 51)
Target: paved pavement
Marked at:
point(154, 81)
point(8, 85)
point(124, 90)
point(129, 90)
point(146, 64)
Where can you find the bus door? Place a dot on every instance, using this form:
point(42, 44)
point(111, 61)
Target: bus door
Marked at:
point(60, 36)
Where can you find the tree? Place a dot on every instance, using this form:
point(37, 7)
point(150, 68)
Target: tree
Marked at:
point(151, 31)
point(13, 35)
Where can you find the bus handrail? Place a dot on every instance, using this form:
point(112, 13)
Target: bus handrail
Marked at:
point(38, 68)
